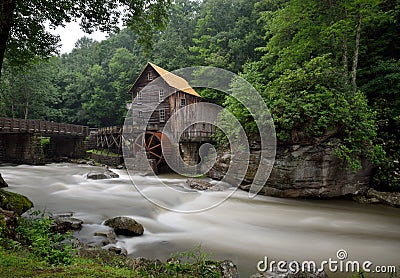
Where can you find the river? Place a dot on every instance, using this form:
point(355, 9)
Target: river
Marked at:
point(242, 229)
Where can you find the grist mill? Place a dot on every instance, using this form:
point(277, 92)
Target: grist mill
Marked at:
point(157, 96)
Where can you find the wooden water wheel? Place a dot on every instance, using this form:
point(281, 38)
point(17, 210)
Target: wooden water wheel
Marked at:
point(151, 143)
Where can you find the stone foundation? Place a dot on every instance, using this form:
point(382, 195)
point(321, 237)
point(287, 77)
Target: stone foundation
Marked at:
point(107, 160)
point(26, 148)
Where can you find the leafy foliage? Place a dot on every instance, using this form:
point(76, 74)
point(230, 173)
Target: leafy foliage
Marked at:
point(29, 39)
point(191, 263)
point(383, 89)
point(36, 233)
point(227, 34)
point(194, 263)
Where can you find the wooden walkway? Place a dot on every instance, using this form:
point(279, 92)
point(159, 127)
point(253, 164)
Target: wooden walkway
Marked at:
point(45, 128)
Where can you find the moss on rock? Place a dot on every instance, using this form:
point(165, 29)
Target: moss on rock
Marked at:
point(14, 202)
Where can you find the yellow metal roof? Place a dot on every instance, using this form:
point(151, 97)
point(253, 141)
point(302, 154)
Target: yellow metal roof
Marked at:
point(175, 80)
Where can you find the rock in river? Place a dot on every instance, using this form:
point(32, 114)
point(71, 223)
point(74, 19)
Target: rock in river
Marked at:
point(199, 184)
point(374, 196)
point(106, 174)
point(65, 222)
point(3, 182)
point(124, 225)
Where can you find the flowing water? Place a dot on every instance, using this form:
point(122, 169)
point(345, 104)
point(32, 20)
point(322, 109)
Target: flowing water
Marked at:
point(242, 229)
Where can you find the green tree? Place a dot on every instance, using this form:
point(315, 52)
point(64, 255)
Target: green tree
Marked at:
point(23, 36)
point(30, 93)
point(171, 49)
point(301, 30)
point(308, 73)
point(227, 33)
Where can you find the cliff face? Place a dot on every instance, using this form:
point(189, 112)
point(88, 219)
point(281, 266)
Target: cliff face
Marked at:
point(311, 171)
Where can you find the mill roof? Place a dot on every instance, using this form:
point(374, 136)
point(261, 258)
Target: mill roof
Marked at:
point(171, 79)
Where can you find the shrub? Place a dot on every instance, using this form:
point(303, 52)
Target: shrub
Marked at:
point(35, 232)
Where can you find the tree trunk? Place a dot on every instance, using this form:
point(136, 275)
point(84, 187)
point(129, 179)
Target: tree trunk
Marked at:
point(355, 58)
point(27, 98)
point(345, 59)
point(7, 8)
point(12, 108)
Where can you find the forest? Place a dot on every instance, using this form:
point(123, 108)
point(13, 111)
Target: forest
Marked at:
point(323, 67)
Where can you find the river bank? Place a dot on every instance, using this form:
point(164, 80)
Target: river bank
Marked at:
point(244, 230)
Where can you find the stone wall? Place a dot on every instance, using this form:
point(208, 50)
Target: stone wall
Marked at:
point(22, 148)
point(26, 148)
point(91, 142)
point(107, 160)
point(311, 171)
point(2, 151)
point(190, 153)
point(67, 147)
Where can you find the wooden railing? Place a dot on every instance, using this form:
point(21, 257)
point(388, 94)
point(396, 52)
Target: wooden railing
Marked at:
point(10, 125)
point(110, 130)
point(196, 135)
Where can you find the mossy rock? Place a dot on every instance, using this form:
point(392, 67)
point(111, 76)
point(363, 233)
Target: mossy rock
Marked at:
point(14, 202)
point(8, 223)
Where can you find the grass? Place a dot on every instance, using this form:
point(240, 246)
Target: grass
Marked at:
point(25, 264)
point(103, 152)
point(31, 248)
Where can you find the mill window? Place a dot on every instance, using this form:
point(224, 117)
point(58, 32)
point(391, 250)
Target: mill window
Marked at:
point(183, 102)
point(162, 115)
point(161, 95)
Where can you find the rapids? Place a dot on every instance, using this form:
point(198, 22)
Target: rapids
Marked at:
point(242, 229)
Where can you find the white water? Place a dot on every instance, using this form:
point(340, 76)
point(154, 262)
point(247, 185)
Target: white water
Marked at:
point(241, 229)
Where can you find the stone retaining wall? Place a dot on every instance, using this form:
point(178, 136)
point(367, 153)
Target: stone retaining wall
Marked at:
point(108, 160)
point(303, 172)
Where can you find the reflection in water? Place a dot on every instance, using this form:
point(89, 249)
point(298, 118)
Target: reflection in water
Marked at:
point(241, 229)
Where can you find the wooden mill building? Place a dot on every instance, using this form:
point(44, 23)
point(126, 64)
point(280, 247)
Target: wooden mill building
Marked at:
point(156, 96)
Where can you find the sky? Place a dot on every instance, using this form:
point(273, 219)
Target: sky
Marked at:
point(71, 33)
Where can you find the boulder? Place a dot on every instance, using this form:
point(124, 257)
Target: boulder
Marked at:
point(229, 269)
point(275, 273)
point(302, 171)
point(14, 202)
point(91, 163)
point(226, 269)
point(199, 184)
point(103, 256)
point(117, 250)
point(109, 234)
point(65, 223)
point(8, 223)
point(2, 182)
point(374, 196)
point(141, 263)
point(124, 225)
point(362, 199)
point(106, 174)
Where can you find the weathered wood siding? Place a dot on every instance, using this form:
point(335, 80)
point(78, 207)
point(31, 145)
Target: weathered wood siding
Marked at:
point(147, 109)
point(143, 81)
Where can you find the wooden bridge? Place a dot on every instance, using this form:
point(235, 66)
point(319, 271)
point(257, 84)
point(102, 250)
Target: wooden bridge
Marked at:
point(20, 140)
point(44, 128)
